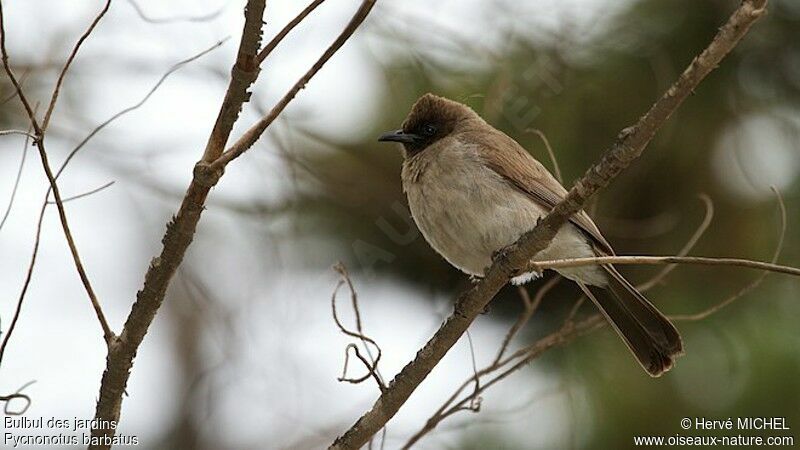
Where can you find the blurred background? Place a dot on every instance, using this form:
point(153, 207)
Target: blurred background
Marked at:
point(245, 353)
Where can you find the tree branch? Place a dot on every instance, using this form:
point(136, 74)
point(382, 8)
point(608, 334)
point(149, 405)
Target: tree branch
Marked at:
point(176, 240)
point(180, 230)
point(631, 142)
point(57, 89)
point(263, 54)
point(254, 133)
point(658, 260)
point(243, 74)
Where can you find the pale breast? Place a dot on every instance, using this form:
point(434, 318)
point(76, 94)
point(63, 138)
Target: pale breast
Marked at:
point(466, 211)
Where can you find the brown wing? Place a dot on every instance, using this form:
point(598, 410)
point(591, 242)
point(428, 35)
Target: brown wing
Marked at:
point(509, 160)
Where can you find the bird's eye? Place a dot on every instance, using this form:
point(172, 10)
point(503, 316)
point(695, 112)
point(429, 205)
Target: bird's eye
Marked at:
point(429, 130)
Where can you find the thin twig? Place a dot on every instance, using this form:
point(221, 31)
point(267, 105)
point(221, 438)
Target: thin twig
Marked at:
point(662, 274)
point(57, 89)
point(574, 310)
point(174, 68)
point(166, 20)
point(556, 168)
point(17, 178)
point(476, 404)
point(557, 338)
point(755, 283)
point(18, 395)
point(372, 365)
point(85, 194)
point(62, 214)
point(530, 309)
point(657, 260)
point(14, 92)
point(46, 202)
point(25, 284)
point(262, 55)
point(254, 133)
point(19, 132)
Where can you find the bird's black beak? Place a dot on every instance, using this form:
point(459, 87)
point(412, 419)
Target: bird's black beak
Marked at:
point(399, 136)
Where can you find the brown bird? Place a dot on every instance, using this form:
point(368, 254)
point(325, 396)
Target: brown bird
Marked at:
point(473, 190)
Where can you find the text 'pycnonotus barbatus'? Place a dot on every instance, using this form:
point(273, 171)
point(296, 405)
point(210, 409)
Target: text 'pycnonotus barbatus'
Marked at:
point(473, 190)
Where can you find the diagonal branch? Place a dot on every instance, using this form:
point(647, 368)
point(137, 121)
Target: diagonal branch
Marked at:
point(263, 54)
point(72, 55)
point(254, 133)
point(629, 146)
point(243, 75)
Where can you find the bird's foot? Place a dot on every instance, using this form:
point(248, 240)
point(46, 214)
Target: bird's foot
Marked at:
point(501, 253)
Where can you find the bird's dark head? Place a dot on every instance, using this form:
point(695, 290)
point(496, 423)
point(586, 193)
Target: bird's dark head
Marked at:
point(431, 119)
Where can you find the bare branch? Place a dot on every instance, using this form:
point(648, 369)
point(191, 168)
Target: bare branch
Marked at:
point(12, 77)
point(62, 214)
point(56, 90)
point(18, 395)
point(372, 365)
point(371, 369)
point(25, 284)
point(254, 133)
point(755, 283)
point(523, 357)
point(631, 143)
point(287, 29)
point(243, 74)
point(550, 153)
point(175, 67)
point(85, 194)
point(657, 260)
point(530, 308)
point(17, 178)
point(661, 275)
point(165, 20)
point(19, 132)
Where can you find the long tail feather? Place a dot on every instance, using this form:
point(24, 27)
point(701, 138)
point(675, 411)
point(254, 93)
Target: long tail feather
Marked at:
point(651, 337)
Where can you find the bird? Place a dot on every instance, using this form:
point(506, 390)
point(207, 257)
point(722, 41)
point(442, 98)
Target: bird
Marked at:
point(472, 191)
